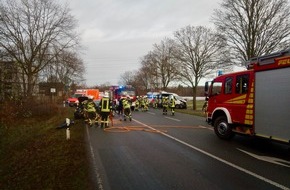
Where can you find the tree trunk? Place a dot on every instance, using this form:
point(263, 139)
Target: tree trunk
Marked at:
point(194, 97)
point(24, 87)
point(30, 85)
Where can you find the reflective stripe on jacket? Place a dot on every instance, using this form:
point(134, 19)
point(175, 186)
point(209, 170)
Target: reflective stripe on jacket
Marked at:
point(105, 105)
point(172, 103)
point(91, 106)
point(126, 104)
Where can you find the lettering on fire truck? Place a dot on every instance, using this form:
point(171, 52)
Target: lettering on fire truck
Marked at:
point(284, 61)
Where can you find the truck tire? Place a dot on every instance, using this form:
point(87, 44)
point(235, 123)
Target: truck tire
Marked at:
point(222, 128)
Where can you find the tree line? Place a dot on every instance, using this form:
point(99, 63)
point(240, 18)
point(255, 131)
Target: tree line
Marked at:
point(39, 38)
point(243, 29)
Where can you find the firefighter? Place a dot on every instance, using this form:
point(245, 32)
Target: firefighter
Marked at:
point(146, 103)
point(142, 103)
point(82, 106)
point(115, 107)
point(91, 111)
point(165, 105)
point(137, 104)
point(154, 102)
point(120, 108)
point(105, 110)
point(127, 109)
point(172, 105)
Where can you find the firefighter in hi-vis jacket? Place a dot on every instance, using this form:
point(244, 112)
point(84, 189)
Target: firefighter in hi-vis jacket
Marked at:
point(105, 109)
point(172, 104)
point(165, 105)
point(90, 111)
point(127, 108)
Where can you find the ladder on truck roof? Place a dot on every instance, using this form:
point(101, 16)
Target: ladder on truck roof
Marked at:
point(266, 59)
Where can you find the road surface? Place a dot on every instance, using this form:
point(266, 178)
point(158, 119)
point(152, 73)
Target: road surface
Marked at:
point(163, 152)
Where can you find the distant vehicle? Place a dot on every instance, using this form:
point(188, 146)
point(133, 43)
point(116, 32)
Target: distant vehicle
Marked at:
point(151, 97)
point(73, 100)
point(180, 102)
point(123, 92)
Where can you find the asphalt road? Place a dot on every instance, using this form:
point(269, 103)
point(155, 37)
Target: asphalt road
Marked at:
point(157, 152)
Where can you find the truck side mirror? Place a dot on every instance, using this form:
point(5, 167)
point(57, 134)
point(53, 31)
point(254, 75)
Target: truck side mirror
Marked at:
point(206, 87)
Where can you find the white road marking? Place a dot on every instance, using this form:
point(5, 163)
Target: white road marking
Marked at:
point(272, 160)
point(152, 113)
point(173, 119)
point(219, 159)
point(96, 169)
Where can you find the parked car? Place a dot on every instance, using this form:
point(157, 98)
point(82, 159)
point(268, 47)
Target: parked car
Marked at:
point(73, 100)
point(180, 102)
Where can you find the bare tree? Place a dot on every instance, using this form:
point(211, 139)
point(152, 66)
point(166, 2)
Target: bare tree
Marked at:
point(33, 33)
point(137, 79)
point(160, 64)
point(254, 27)
point(143, 79)
point(149, 77)
point(127, 78)
point(66, 68)
point(200, 51)
point(164, 63)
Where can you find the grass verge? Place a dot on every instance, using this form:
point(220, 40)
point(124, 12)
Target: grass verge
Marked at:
point(36, 155)
point(189, 110)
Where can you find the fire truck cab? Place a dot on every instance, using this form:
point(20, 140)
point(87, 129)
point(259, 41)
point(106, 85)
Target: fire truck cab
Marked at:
point(255, 102)
point(125, 91)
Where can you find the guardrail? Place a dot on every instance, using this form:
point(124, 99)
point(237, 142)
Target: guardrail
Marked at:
point(190, 97)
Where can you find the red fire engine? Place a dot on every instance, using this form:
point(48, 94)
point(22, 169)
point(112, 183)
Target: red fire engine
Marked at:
point(255, 102)
point(119, 92)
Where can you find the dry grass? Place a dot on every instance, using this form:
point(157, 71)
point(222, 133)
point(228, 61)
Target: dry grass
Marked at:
point(36, 155)
point(189, 110)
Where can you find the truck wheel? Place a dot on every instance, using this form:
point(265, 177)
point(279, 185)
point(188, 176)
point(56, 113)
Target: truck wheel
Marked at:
point(222, 128)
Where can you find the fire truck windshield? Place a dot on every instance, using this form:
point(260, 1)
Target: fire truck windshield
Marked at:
point(77, 95)
point(216, 88)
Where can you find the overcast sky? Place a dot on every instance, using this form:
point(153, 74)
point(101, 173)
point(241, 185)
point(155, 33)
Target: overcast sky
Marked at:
point(116, 34)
